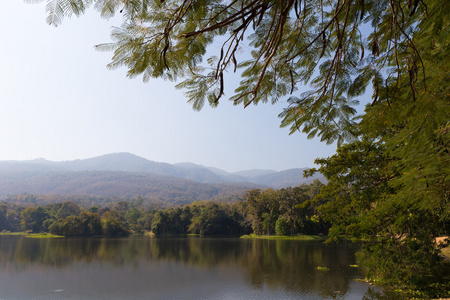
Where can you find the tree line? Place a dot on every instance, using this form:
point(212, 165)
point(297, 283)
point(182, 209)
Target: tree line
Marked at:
point(288, 211)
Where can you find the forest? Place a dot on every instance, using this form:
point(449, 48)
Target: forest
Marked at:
point(288, 211)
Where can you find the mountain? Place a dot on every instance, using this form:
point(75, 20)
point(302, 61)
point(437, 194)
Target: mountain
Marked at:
point(291, 177)
point(125, 174)
point(268, 178)
point(116, 184)
point(254, 173)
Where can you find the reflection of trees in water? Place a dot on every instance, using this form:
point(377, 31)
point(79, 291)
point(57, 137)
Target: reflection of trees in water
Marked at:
point(206, 252)
point(292, 264)
point(23, 252)
point(273, 263)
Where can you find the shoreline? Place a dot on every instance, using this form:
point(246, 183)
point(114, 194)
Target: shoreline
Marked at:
point(302, 237)
point(43, 235)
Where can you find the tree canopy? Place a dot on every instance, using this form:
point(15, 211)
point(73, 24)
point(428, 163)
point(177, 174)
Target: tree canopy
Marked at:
point(340, 48)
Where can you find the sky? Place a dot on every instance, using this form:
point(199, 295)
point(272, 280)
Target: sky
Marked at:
point(60, 102)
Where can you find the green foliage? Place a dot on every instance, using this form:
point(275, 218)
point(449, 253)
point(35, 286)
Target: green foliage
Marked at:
point(132, 217)
point(368, 204)
point(171, 221)
point(3, 219)
point(391, 188)
point(291, 205)
point(286, 211)
point(32, 218)
point(211, 218)
point(281, 227)
point(57, 9)
point(68, 209)
point(340, 48)
point(203, 217)
point(112, 225)
point(86, 224)
point(13, 220)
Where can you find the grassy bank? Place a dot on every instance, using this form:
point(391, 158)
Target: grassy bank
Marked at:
point(33, 235)
point(285, 237)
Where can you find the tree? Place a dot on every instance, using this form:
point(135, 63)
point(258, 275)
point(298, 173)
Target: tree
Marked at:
point(292, 207)
point(87, 224)
point(3, 218)
point(398, 233)
point(358, 178)
point(340, 47)
point(160, 223)
point(32, 218)
point(112, 224)
point(122, 207)
point(262, 210)
point(281, 227)
point(132, 218)
point(69, 226)
point(90, 224)
point(291, 210)
point(13, 220)
point(68, 208)
point(212, 218)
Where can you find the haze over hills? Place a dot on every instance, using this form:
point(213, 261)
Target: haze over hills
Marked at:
point(128, 175)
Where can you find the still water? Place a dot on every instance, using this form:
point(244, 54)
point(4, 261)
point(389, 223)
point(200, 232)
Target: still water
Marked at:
point(178, 268)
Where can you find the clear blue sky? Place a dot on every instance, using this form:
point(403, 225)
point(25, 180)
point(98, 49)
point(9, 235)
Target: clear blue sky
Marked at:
point(60, 102)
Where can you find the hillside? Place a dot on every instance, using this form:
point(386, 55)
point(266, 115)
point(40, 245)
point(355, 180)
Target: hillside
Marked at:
point(291, 177)
point(117, 184)
point(128, 175)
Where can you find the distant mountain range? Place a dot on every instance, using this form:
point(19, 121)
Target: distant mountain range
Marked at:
point(128, 175)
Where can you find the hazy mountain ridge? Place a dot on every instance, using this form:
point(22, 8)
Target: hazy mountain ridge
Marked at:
point(254, 173)
point(117, 184)
point(269, 178)
point(291, 177)
point(128, 175)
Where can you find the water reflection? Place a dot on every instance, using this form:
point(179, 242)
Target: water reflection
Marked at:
point(183, 268)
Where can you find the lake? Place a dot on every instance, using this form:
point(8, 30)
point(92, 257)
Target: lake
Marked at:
point(178, 268)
